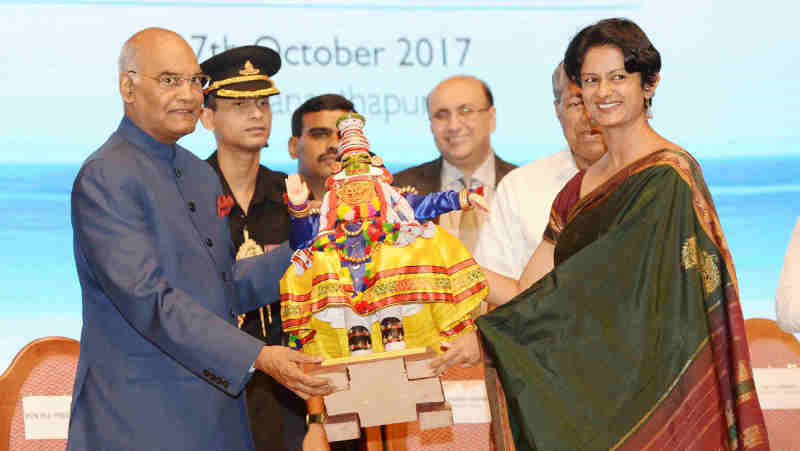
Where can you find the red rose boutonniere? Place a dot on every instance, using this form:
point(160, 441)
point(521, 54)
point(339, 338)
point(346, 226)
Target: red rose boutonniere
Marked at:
point(224, 205)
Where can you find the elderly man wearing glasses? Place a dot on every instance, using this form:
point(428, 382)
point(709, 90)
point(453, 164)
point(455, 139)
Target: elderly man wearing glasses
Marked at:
point(162, 363)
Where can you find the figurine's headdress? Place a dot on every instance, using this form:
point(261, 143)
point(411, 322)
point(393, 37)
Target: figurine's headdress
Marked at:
point(351, 134)
point(352, 139)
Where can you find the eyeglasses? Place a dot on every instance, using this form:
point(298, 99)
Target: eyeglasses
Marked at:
point(170, 81)
point(463, 113)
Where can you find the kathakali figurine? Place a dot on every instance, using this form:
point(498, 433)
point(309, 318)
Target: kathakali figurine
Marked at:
point(371, 272)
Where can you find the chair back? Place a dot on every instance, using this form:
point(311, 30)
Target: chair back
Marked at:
point(44, 367)
point(770, 347)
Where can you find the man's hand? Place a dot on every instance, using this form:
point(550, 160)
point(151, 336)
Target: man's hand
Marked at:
point(464, 351)
point(478, 202)
point(315, 439)
point(283, 364)
point(296, 189)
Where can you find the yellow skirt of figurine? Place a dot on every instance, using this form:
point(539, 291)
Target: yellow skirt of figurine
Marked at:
point(437, 273)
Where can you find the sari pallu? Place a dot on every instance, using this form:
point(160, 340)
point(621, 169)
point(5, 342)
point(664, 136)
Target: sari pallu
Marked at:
point(636, 339)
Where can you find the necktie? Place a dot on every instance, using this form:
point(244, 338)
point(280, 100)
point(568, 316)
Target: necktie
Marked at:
point(468, 226)
point(468, 234)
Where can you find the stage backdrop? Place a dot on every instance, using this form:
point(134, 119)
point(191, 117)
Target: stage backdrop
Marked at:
point(729, 93)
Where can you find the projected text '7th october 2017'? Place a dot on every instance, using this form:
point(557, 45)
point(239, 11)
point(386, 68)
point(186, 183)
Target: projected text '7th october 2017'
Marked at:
point(408, 52)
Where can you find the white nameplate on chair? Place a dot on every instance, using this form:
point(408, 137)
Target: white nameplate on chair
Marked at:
point(468, 400)
point(778, 388)
point(46, 417)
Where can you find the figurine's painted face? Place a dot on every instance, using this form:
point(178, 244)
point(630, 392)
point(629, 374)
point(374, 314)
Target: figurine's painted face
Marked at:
point(357, 192)
point(355, 163)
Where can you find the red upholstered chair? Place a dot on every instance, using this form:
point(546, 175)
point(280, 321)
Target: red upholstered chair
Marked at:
point(44, 367)
point(770, 347)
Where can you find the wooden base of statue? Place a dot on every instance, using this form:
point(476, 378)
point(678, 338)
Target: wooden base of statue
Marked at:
point(382, 388)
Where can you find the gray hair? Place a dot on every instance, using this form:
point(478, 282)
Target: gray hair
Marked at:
point(128, 56)
point(558, 86)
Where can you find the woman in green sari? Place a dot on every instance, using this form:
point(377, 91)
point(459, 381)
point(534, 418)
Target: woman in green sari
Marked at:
point(631, 335)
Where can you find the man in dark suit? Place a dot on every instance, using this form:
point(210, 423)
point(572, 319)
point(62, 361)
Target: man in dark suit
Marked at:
point(162, 363)
point(462, 119)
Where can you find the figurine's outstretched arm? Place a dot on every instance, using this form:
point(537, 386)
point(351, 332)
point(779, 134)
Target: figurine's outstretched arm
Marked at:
point(427, 207)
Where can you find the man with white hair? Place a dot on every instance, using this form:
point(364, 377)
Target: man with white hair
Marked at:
point(521, 207)
point(162, 363)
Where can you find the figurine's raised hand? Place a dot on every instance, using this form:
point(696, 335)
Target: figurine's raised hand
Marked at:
point(478, 201)
point(296, 189)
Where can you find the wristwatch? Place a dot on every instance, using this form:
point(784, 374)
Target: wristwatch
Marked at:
point(318, 418)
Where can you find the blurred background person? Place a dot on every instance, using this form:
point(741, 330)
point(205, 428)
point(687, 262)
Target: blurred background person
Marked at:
point(787, 297)
point(462, 118)
point(315, 140)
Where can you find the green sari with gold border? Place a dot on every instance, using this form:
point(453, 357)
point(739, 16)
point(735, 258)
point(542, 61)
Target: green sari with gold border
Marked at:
point(636, 339)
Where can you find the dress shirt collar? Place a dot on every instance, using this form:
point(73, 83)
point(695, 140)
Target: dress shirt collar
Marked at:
point(572, 167)
point(138, 137)
point(485, 174)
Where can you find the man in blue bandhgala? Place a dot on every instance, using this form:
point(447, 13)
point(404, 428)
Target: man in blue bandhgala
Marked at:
point(162, 363)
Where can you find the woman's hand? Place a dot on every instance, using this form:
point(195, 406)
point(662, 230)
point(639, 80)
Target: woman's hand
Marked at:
point(502, 288)
point(464, 350)
point(296, 190)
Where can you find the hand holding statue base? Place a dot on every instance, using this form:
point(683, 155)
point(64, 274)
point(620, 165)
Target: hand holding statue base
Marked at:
point(382, 388)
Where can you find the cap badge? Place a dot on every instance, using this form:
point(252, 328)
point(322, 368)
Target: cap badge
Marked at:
point(248, 69)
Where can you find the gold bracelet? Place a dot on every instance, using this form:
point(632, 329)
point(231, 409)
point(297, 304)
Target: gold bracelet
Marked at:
point(302, 213)
point(407, 189)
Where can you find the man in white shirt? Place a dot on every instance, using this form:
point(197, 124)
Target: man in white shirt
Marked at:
point(462, 119)
point(787, 297)
point(521, 206)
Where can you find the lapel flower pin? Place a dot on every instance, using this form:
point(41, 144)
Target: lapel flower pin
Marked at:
point(224, 205)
